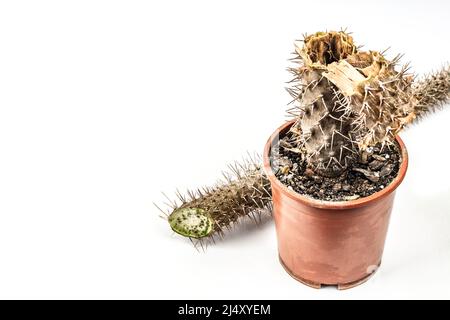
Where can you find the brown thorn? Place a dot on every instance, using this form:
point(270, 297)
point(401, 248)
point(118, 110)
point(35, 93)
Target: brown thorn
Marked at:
point(171, 203)
point(194, 244)
point(180, 196)
point(163, 212)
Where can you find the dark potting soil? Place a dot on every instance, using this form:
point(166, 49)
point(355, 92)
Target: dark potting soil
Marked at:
point(360, 180)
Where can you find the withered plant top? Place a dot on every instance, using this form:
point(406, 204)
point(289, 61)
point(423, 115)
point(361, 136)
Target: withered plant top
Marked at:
point(347, 100)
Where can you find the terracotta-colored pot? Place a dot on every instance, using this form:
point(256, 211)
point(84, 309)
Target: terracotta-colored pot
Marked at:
point(330, 243)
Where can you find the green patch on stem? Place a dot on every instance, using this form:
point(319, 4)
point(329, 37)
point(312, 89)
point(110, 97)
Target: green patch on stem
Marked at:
point(191, 222)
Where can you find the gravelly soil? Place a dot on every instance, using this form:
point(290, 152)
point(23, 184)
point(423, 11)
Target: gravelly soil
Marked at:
point(360, 180)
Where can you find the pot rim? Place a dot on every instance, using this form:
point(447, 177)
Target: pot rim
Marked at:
point(331, 204)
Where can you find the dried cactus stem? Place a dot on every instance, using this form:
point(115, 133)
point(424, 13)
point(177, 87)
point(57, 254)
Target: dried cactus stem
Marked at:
point(322, 128)
point(350, 100)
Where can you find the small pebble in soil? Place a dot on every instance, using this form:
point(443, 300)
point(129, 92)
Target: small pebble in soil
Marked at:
point(363, 178)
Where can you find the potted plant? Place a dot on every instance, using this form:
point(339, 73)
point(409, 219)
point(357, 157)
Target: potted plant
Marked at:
point(331, 172)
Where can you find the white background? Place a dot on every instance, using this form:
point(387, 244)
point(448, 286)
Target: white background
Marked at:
point(103, 104)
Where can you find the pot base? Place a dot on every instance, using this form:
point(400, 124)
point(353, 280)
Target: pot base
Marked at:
point(339, 286)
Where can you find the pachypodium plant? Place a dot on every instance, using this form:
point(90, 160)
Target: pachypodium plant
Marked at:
point(345, 101)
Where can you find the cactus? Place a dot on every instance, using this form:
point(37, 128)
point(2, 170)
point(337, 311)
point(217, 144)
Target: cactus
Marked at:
point(346, 100)
point(349, 100)
point(322, 128)
point(245, 192)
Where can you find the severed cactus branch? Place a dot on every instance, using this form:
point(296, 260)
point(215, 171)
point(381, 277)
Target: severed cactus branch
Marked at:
point(207, 213)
